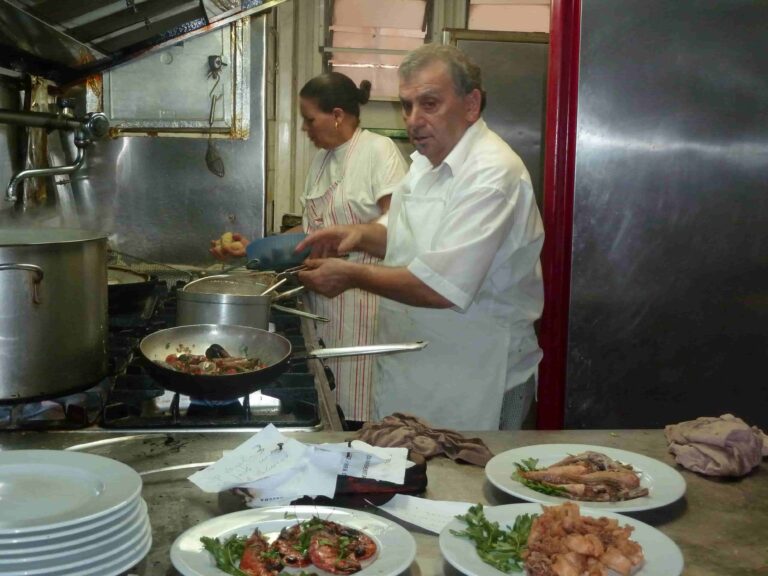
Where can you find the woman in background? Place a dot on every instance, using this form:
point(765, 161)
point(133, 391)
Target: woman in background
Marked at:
point(348, 183)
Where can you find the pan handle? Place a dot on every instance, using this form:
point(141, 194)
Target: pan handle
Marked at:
point(364, 350)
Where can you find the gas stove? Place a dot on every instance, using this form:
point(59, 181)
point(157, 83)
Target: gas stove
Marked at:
point(130, 400)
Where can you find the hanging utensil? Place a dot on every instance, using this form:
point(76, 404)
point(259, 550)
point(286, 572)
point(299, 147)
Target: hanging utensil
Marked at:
point(212, 157)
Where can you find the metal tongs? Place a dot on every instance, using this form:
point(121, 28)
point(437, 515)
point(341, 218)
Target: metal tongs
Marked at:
point(291, 271)
point(296, 269)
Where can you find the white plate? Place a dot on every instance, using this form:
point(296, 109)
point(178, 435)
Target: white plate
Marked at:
point(63, 551)
point(119, 565)
point(74, 530)
point(67, 538)
point(396, 547)
point(665, 484)
point(44, 490)
point(128, 545)
point(662, 555)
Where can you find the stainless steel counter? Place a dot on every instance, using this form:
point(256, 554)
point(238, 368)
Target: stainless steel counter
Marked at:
point(719, 525)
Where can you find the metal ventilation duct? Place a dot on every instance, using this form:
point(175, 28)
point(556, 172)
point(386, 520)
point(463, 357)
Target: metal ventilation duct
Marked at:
point(66, 40)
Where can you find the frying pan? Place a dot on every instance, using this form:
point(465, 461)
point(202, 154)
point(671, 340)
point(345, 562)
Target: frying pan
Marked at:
point(126, 285)
point(270, 348)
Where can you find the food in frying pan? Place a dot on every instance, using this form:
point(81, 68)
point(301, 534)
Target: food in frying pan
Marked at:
point(328, 545)
point(216, 362)
point(562, 542)
point(589, 476)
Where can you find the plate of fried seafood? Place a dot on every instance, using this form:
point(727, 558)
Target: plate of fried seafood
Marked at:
point(598, 477)
point(294, 539)
point(538, 540)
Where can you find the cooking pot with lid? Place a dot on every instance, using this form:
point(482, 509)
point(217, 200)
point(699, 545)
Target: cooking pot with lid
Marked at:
point(53, 312)
point(233, 299)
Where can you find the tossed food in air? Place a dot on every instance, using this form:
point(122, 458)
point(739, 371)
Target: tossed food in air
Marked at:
point(215, 362)
point(327, 545)
point(229, 245)
point(588, 476)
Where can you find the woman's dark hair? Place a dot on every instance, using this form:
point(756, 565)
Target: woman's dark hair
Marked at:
point(335, 90)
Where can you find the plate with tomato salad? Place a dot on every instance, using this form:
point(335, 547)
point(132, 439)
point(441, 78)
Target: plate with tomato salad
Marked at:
point(332, 540)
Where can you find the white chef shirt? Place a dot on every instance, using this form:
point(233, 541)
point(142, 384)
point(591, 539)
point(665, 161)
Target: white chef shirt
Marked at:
point(483, 254)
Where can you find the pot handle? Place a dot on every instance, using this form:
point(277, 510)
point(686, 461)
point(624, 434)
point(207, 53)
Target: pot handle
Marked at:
point(300, 313)
point(365, 350)
point(287, 294)
point(36, 270)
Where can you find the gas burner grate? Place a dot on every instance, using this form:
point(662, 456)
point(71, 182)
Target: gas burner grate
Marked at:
point(137, 401)
point(71, 412)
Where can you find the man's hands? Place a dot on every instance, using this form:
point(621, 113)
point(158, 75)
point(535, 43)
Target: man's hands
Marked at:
point(331, 242)
point(328, 276)
point(230, 245)
point(341, 240)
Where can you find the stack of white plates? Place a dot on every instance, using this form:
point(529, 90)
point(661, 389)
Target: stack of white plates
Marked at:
point(67, 513)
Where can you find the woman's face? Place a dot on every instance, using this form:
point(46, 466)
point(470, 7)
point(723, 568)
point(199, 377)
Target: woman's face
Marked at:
point(320, 126)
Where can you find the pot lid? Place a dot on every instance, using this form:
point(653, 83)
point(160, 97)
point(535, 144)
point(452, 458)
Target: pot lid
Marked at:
point(233, 284)
point(37, 236)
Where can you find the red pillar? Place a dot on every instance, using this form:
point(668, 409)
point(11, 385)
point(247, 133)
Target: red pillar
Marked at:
point(559, 164)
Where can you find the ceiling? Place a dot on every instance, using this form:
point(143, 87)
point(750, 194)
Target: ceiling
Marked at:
point(67, 40)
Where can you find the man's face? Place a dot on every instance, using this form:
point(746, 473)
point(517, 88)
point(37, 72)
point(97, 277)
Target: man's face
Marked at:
point(435, 115)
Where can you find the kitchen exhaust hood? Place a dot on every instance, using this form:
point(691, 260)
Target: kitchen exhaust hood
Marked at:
point(68, 40)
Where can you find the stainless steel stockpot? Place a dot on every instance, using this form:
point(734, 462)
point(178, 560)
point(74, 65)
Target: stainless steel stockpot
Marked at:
point(233, 299)
point(53, 312)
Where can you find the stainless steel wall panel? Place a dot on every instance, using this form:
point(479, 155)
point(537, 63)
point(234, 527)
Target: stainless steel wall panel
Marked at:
point(515, 80)
point(669, 296)
point(155, 197)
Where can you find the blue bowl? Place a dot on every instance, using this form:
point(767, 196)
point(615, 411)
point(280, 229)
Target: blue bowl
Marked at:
point(277, 252)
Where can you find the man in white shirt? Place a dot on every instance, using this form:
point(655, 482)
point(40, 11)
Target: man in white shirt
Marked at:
point(461, 259)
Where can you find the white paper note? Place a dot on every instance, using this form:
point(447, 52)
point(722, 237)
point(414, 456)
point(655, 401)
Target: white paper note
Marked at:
point(432, 515)
point(316, 476)
point(362, 460)
point(276, 470)
point(390, 466)
point(264, 454)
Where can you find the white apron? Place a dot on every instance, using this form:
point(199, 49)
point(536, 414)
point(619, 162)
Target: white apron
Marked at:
point(352, 314)
point(459, 379)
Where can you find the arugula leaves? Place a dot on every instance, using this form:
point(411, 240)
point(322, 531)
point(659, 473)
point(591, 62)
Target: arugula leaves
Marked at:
point(227, 554)
point(530, 465)
point(500, 548)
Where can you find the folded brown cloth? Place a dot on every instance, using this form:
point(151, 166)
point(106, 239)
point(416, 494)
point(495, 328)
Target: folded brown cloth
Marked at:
point(724, 446)
point(419, 436)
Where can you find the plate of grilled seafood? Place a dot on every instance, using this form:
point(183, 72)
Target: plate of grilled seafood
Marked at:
point(539, 540)
point(294, 540)
point(598, 477)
